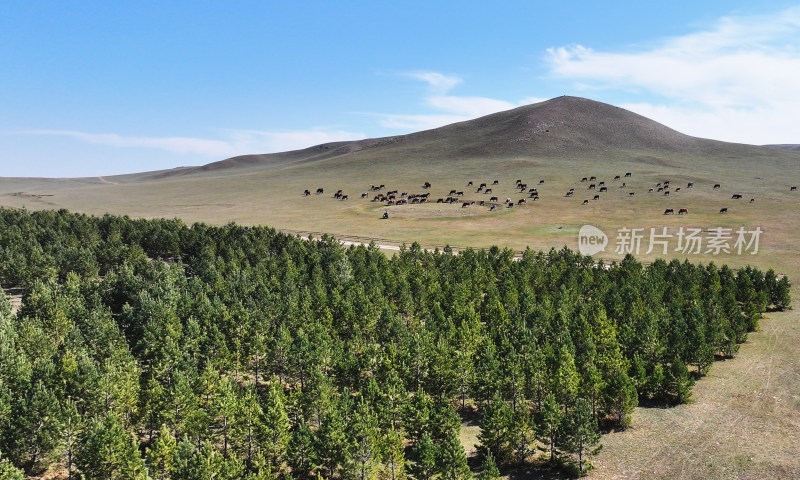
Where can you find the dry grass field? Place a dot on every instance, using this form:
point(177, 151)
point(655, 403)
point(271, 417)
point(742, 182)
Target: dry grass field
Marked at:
point(744, 419)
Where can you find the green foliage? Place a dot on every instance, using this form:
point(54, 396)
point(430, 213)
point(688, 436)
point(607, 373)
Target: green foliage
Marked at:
point(242, 352)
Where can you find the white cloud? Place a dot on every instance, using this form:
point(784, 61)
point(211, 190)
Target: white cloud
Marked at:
point(236, 142)
point(735, 81)
point(438, 82)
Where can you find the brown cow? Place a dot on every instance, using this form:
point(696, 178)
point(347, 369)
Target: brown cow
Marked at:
point(583, 179)
point(616, 177)
point(592, 186)
point(494, 199)
point(592, 178)
point(488, 190)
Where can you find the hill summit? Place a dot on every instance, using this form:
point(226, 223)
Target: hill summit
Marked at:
point(556, 127)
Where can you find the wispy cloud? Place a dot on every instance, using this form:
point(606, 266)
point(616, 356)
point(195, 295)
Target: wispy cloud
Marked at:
point(234, 142)
point(736, 80)
point(438, 82)
point(447, 109)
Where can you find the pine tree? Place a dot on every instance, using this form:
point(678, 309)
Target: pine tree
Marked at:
point(452, 459)
point(496, 434)
point(580, 433)
point(302, 454)
point(275, 421)
point(548, 423)
point(489, 469)
point(161, 454)
point(424, 454)
point(106, 450)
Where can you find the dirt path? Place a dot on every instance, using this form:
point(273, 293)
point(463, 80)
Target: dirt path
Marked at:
point(743, 421)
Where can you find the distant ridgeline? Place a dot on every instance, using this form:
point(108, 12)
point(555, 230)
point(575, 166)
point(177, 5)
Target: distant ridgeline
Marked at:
point(150, 347)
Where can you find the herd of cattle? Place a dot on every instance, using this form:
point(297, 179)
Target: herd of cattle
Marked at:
point(455, 196)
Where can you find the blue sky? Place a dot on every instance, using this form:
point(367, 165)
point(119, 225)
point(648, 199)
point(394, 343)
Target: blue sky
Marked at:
point(99, 88)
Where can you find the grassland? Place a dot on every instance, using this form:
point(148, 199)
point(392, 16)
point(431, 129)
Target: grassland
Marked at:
point(744, 419)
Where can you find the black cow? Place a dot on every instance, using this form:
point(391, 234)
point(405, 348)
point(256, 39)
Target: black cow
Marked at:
point(683, 211)
point(723, 210)
point(669, 211)
point(306, 193)
point(320, 190)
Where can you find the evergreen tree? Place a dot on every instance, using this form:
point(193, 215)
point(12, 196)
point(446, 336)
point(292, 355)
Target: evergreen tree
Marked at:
point(424, 454)
point(580, 433)
point(107, 450)
point(489, 469)
point(452, 459)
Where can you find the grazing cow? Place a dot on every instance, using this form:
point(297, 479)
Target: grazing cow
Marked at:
point(690, 185)
point(496, 182)
point(569, 194)
point(519, 181)
point(482, 185)
point(583, 179)
point(465, 204)
point(522, 186)
point(592, 178)
point(385, 215)
point(536, 198)
point(338, 194)
point(792, 188)
point(683, 211)
point(602, 183)
point(623, 185)
point(320, 190)
point(428, 185)
point(469, 184)
point(627, 174)
point(493, 208)
point(723, 210)
point(532, 190)
point(572, 190)
point(381, 186)
point(716, 186)
point(586, 202)
point(510, 205)
point(616, 177)
point(402, 201)
point(440, 200)
point(306, 193)
point(521, 201)
point(630, 194)
point(660, 189)
point(650, 190)
point(534, 195)
point(541, 182)
point(344, 197)
point(390, 202)
point(592, 186)
point(488, 190)
point(459, 194)
point(669, 211)
point(736, 196)
point(452, 192)
point(364, 195)
point(658, 184)
point(479, 190)
point(666, 192)
point(508, 200)
point(494, 199)
point(414, 200)
point(752, 200)
point(482, 203)
point(603, 189)
point(678, 189)
point(596, 197)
